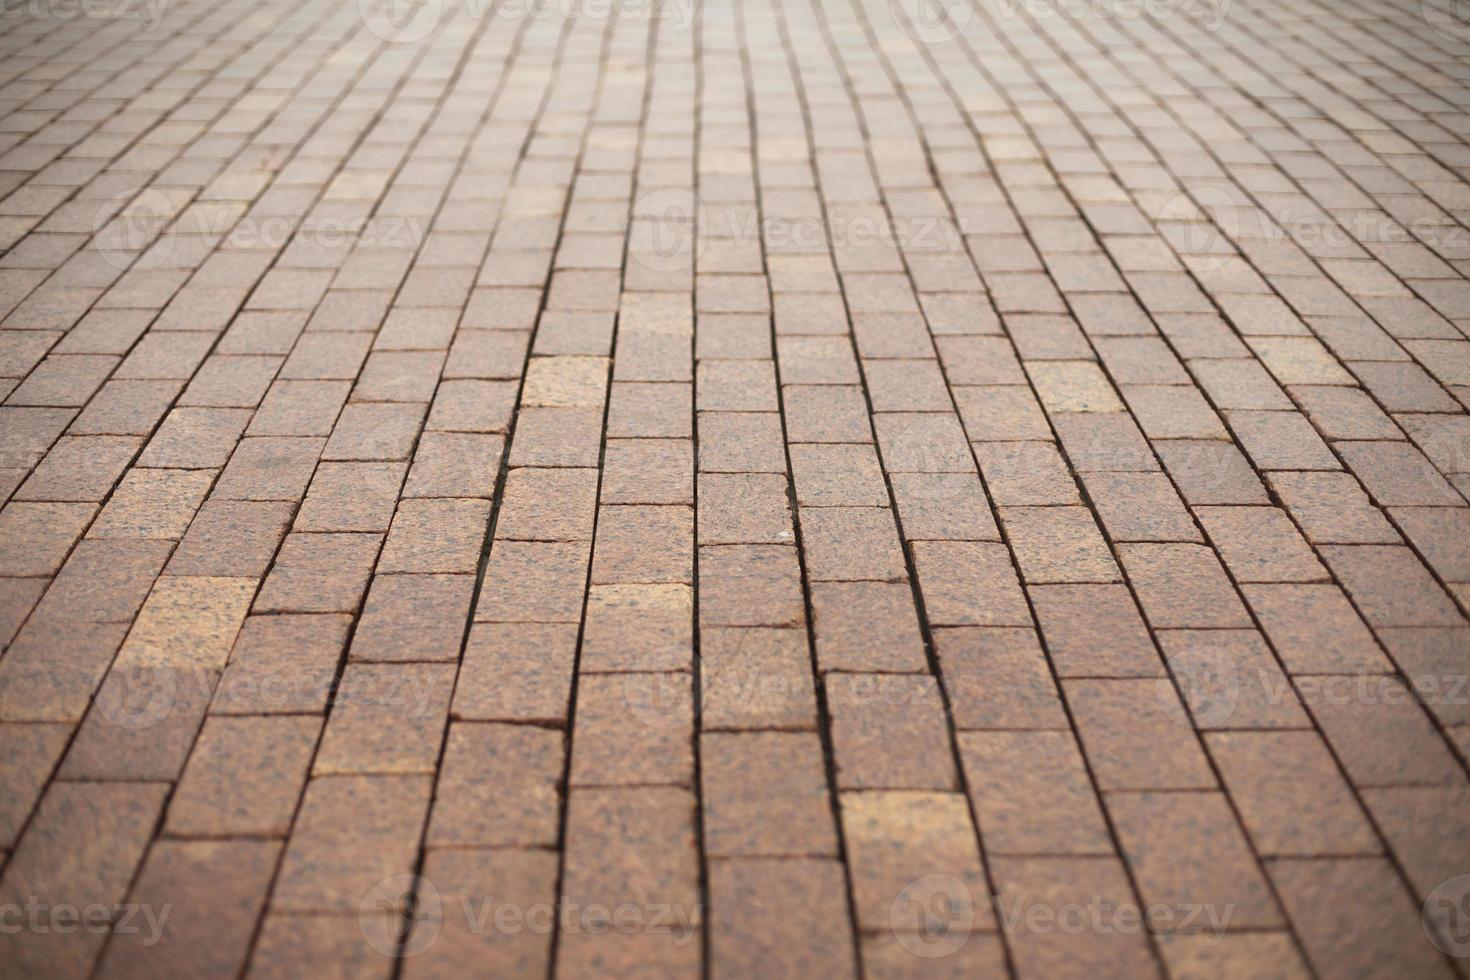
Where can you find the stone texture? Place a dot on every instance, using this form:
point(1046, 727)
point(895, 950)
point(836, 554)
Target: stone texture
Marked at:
point(534, 463)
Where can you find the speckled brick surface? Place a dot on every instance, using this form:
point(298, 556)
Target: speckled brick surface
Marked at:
point(800, 488)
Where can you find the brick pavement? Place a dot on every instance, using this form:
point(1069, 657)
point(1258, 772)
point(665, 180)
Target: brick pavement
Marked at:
point(787, 488)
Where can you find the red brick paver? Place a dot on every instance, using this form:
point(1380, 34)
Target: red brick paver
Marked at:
point(795, 487)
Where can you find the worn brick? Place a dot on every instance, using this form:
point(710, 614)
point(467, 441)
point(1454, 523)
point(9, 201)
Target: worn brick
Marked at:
point(126, 408)
point(889, 732)
point(548, 505)
point(633, 729)
point(282, 665)
point(515, 883)
point(997, 678)
point(79, 469)
point(650, 411)
point(1058, 544)
point(643, 545)
point(765, 794)
point(516, 672)
point(824, 413)
point(806, 932)
point(1229, 679)
point(215, 891)
point(943, 507)
point(231, 538)
point(1396, 947)
point(319, 573)
point(1391, 586)
point(754, 678)
point(386, 718)
point(1434, 662)
point(1210, 472)
point(1031, 890)
point(907, 850)
point(82, 848)
point(1137, 735)
point(469, 405)
point(1032, 793)
point(1243, 954)
point(648, 471)
point(1291, 797)
point(1186, 849)
point(34, 752)
point(636, 846)
point(533, 582)
point(1332, 508)
point(243, 777)
point(851, 543)
point(639, 627)
point(413, 617)
point(749, 585)
point(351, 497)
point(1019, 473)
point(1140, 507)
point(435, 536)
point(1259, 544)
point(1381, 736)
point(350, 834)
point(195, 437)
point(374, 431)
point(866, 626)
point(152, 504)
point(1397, 474)
point(498, 786)
point(1094, 630)
point(1181, 585)
point(955, 575)
point(51, 670)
